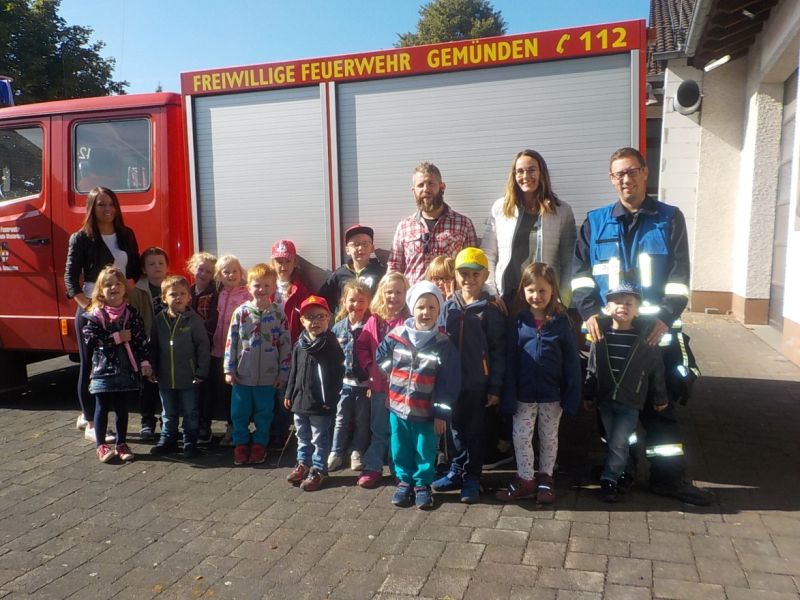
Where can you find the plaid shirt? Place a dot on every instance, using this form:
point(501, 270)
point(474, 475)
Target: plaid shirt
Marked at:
point(414, 247)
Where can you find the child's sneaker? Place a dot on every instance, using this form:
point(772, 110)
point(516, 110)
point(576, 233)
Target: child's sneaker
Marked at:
point(81, 423)
point(609, 491)
point(298, 474)
point(105, 453)
point(258, 454)
point(470, 491)
point(545, 489)
point(423, 497)
point(313, 481)
point(625, 483)
point(146, 434)
point(227, 439)
point(190, 451)
point(448, 483)
point(403, 495)
point(517, 490)
point(124, 452)
point(356, 461)
point(241, 454)
point(89, 435)
point(369, 479)
point(334, 462)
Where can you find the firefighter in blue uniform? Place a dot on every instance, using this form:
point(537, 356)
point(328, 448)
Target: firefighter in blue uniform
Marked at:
point(640, 239)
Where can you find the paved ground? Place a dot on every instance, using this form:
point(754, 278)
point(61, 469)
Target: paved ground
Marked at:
point(72, 528)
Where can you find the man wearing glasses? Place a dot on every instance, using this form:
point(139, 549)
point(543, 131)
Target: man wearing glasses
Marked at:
point(639, 239)
point(435, 228)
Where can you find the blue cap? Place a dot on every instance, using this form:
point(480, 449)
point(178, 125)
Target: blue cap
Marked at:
point(625, 287)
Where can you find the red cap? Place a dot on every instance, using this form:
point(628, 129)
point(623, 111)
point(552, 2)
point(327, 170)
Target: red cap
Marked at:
point(283, 249)
point(356, 229)
point(314, 301)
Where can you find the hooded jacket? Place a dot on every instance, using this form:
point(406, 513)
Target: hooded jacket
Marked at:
point(181, 350)
point(366, 345)
point(642, 375)
point(424, 380)
point(228, 301)
point(478, 330)
point(347, 336)
point(315, 377)
point(115, 365)
point(258, 349)
point(370, 275)
point(543, 364)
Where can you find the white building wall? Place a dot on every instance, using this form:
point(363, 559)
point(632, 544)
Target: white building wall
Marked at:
point(680, 149)
point(758, 184)
point(722, 119)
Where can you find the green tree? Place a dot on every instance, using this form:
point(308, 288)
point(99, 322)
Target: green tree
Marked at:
point(48, 59)
point(452, 20)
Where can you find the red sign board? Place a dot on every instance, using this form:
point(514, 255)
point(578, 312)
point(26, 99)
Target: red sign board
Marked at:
point(575, 42)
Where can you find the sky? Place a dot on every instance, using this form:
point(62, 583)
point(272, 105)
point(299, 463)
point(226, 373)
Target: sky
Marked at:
point(153, 41)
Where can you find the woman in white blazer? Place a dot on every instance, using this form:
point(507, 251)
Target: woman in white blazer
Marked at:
point(528, 224)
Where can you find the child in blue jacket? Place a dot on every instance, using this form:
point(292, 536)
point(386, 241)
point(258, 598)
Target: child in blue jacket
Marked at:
point(424, 381)
point(543, 378)
point(478, 329)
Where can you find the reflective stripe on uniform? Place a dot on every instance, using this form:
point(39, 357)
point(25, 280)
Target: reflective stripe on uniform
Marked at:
point(664, 450)
point(632, 439)
point(645, 270)
point(649, 309)
point(666, 340)
point(677, 289)
point(583, 282)
point(613, 273)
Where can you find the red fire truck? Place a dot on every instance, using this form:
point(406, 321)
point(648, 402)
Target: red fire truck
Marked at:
point(302, 149)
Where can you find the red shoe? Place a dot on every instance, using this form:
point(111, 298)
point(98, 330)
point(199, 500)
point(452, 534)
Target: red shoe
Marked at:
point(298, 474)
point(369, 479)
point(545, 489)
point(124, 452)
point(314, 481)
point(258, 454)
point(105, 453)
point(518, 490)
point(241, 454)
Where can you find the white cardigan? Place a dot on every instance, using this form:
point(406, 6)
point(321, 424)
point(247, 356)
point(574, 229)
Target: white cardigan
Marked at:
point(557, 235)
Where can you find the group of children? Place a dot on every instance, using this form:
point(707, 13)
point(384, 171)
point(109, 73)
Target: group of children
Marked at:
point(399, 370)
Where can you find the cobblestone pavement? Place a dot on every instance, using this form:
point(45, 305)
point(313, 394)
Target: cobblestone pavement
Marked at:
point(73, 528)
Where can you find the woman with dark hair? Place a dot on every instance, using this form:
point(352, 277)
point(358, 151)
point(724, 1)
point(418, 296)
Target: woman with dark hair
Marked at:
point(102, 240)
point(528, 224)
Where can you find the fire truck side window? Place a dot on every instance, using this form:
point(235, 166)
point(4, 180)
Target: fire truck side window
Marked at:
point(112, 154)
point(20, 163)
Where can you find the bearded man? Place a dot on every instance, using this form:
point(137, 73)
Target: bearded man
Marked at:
point(433, 230)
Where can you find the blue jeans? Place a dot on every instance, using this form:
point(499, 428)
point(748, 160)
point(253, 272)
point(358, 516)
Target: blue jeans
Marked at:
point(251, 402)
point(353, 402)
point(379, 426)
point(313, 440)
point(175, 403)
point(413, 450)
point(619, 421)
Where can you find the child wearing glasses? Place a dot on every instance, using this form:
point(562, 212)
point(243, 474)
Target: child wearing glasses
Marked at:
point(361, 267)
point(312, 392)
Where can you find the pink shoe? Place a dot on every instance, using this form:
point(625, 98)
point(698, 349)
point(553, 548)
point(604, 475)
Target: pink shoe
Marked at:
point(258, 454)
point(241, 454)
point(105, 453)
point(124, 452)
point(369, 479)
